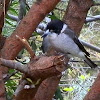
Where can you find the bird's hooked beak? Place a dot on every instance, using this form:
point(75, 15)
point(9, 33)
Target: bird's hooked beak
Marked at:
point(47, 32)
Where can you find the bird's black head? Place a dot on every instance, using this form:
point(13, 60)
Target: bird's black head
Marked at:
point(55, 26)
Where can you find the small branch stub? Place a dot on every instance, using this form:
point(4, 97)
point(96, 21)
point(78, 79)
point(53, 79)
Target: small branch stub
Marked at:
point(38, 68)
point(27, 46)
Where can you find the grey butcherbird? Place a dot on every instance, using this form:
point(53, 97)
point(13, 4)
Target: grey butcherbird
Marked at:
point(59, 36)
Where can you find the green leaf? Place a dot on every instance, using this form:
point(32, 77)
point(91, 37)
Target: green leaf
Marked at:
point(82, 77)
point(11, 70)
point(13, 11)
point(9, 23)
point(58, 94)
point(34, 46)
point(52, 17)
point(68, 89)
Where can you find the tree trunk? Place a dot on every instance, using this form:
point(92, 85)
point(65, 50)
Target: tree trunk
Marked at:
point(75, 16)
point(3, 3)
point(94, 93)
point(12, 45)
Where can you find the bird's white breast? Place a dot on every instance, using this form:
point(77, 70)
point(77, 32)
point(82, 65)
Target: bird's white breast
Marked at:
point(65, 44)
point(52, 36)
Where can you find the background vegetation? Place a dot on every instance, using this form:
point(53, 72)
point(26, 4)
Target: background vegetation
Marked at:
point(77, 80)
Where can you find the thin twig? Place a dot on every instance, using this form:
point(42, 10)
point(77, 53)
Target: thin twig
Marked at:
point(92, 18)
point(9, 75)
point(20, 87)
point(96, 4)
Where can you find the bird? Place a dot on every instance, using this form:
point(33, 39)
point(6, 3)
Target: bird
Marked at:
point(52, 27)
point(59, 36)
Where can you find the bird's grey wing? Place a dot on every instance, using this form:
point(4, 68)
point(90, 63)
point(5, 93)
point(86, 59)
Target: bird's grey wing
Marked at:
point(72, 35)
point(69, 32)
point(76, 40)
point(45, 44)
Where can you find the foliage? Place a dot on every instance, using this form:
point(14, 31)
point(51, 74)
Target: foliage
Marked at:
point(12, 83)
point(58, 94)
point(77, 80)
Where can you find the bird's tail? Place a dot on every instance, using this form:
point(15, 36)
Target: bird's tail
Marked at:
point(90, 63)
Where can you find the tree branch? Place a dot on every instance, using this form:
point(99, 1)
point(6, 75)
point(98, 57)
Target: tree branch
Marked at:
point(28, 24)
point(48, 84)
point(14, 65)
point(22, 10)
point(96, 4)
point(4, 4)
point(20, 87)
point(26, 44)
point(26, 27)
point(9, 75)
point(76, 20)
point(14, 18)
point(94, 92)
point(90, 46)
point(40, 68)
point(92, 18)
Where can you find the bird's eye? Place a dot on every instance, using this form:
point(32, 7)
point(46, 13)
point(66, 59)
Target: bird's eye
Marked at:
point(51, 31)
point(58, 31)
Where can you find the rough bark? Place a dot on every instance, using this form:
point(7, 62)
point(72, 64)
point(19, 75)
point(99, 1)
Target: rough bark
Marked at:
point(94, 93)
point(2, 41)
point(2, 88)
point(46, 67)
point(3, 10)
point(39, 68)
point(42, 90)
point(75, 18)
point(47, 88)
point(27, 94)
point(38, 11)
point(72, 18)
point(35, 15)
point(76, 14)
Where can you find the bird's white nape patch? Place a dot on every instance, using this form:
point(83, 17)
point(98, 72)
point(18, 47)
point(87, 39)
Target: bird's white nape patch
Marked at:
point(64, 27)
point(47, 31)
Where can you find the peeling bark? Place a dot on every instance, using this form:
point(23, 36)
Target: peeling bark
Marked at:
point(27, 46)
